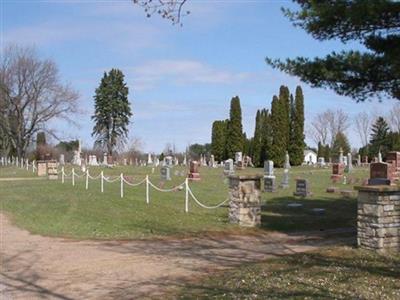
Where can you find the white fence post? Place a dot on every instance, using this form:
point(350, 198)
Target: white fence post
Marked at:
point(87, 178)
point(62, 174)
point(73, 177)
point(122, 185)
point(187, 195)
point(102, 182)
point(147, 190)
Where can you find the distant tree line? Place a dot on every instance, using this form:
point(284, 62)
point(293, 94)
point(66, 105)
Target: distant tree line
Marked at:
point(276, 131)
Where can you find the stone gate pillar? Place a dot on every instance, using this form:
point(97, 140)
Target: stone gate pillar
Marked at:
point(245, 200)
point(378, 218)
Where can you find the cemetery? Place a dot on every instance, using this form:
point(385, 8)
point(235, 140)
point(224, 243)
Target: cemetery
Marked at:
point(187, 150)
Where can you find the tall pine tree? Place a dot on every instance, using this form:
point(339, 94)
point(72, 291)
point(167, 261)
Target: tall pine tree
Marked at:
point(112, 111)
point(235, 129)
point(257, 140)
point(296, 143)
point(379, 133)
point(266, 136)
point(284, 99)
point(279, 125)
point(218, 140)
point(340, 142)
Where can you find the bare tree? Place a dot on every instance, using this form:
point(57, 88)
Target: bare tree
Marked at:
point(394, 118)
point(327, 124)
point(319, 129)
point(31, 95)
point(363, 123)
point(338, 121)
point(168, 9)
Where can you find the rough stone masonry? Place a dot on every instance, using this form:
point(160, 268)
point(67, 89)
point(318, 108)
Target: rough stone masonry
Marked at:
point(378, 218)
point(245, 200)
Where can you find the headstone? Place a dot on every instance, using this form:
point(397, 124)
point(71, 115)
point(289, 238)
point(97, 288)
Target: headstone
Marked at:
point(212, 161)
point(52, 170)
point(358, 160)
point(228, 167)
point(302, 188)
point(105, 159)
point(380, 156)
point(269, 168)
point(93, 160)
point(341, 161)
point(76, 159)
point(337, 171)
point(248, 162)
point(125, 162)
point(393, 157)
point(149, 159)
point(184, 163)
point(381, 174)
point(245, 200)
point(168, 161)
point(269, 178)
point(366, 160)
point(285, 179)
point(239, 160)
point(287, 161)
point(165, 173)
point(176, 161)
point(62, 160)
point(156, 162)
point(345, 161)
point(41, 168)
point(349, 166)
point(194, 171)
point(321, 162)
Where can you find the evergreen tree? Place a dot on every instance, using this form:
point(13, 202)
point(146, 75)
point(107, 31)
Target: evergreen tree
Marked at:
point(393, 141)
point(235, 128)
point(218, 140)
point(112, 111)
point(327, 152)
point(284, 99)
point(40, 139)
point(266, 136)
point(358, 73)
point(321, 150)
point(340, 141)
point(379, 133)
point(296, 143)
point(257, 140)
point(247, 145)
point(279, 124)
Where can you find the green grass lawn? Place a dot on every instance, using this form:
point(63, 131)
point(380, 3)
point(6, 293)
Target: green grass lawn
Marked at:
point(12, 171)
point(336, 273)
point(55, 209)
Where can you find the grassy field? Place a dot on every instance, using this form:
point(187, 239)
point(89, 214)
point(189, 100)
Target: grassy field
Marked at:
point(55, 209)
point(336, 273)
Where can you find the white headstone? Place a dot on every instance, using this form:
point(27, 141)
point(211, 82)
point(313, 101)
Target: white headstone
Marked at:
point(269, 168)
point(287, 161)
point(62, 160)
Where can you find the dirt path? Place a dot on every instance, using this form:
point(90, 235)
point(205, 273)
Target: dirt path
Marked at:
point(34, 267)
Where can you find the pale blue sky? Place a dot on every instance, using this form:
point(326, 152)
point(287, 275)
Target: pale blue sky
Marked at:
point(181, 79)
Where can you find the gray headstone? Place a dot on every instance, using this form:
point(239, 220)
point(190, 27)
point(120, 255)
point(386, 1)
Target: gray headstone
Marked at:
point(165, 173)
point(285, 179)
point(269, 184)
point(269, 168)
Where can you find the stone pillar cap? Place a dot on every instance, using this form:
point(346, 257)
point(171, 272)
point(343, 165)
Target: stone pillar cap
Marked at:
point(378, 188)
point(243, 177)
